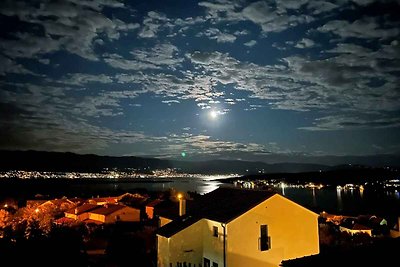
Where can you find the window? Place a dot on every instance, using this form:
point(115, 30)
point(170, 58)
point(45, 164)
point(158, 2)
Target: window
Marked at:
point(207, 262)
point(264, 240)
point(215, 264)
point(215, 231)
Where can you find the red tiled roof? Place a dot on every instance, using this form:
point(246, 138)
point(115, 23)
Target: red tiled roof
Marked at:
point(82, 209)
point(103, 199)
point(108, 209)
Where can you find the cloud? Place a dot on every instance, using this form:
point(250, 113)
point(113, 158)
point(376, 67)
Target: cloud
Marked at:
point(10, 66)
point(271, 17)
point(363, 2)
point(119, 62)
point(350, 122)
point(152, 23)
point(365, 28)
point(198, 145)
point(28, 46)
point(216, 34)
point(82, 79)
point(161, 54)
point(340, 82)
point(67, 25)
point(318, 7)
point(305, 43)
point(250, 43)
point(169, 102)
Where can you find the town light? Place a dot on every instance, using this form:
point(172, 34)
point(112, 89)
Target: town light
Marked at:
point(37, 210)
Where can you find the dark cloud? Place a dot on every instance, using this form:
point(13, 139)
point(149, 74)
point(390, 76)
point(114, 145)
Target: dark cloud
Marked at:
point(65, 25)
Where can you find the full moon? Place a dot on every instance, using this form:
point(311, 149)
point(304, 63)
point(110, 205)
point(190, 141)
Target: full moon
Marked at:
point(213, 114)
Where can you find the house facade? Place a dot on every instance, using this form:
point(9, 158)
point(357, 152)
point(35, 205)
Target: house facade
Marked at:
point(114, 213)
point(236, 227)
point(80, 213)
point(109, 213)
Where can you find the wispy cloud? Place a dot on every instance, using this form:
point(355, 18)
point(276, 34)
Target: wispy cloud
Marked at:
point(73, 27)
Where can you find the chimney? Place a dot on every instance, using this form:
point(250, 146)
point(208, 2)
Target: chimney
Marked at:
point(182, 205)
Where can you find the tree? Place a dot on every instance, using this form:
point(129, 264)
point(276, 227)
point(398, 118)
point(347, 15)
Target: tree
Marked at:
point(5, 218)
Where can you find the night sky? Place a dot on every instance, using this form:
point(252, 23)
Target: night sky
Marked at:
point(249, 80)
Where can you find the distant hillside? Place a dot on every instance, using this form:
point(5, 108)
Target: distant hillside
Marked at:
point(65, 161)
point(244, 167)
point(59, 161)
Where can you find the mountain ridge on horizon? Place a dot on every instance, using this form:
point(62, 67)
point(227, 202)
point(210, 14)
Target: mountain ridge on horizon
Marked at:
point(70, 161)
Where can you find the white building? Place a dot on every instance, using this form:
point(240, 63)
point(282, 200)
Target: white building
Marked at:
point(237, 227)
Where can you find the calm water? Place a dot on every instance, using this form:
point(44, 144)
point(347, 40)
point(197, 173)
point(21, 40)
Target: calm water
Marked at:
point(352, 202)
point(328, 199)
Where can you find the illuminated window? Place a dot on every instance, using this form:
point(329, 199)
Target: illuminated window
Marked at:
point(264, 240)
point(215, 231)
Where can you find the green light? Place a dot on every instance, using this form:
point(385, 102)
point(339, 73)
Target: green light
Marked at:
point(183, 154)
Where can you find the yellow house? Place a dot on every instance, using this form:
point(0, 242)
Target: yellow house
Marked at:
point(80, 213)
point(239, 227)
point(111, 213)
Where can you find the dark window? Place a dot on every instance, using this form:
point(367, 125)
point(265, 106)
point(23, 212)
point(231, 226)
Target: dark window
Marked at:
point(207, 262)
point(264, 241)
point(215, 264)
point(215, 231)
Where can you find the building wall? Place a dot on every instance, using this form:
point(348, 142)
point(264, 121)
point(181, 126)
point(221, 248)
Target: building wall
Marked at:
point(212, 245)
point(292, 228)
point(150, 212)
point(80, 217)
point(126, 214)
point(83, 216)
point(184, 246)
point(97, 217)
point(71, 215)
point(163, 221)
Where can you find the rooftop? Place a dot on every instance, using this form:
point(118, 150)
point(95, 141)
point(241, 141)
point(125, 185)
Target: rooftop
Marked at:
point(108, 209)
point(82, 209)
point(222, 205)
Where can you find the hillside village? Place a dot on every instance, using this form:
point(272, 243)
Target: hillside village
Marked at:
point(226, 227)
